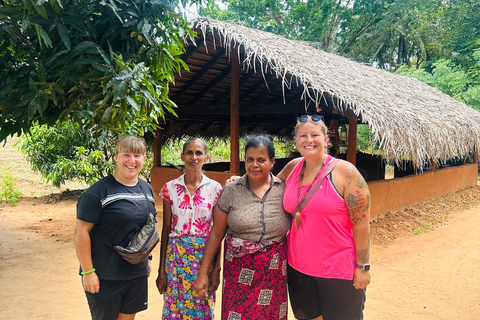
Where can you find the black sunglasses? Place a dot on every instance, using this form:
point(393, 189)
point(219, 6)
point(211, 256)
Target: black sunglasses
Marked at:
point(306, 117)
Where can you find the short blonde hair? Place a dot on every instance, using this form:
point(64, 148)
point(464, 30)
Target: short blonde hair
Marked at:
point(131, 144)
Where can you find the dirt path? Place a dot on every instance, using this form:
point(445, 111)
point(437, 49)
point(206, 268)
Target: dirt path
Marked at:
point(430, 276)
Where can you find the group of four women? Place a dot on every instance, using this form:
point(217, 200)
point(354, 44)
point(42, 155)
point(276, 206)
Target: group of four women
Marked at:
point(323, 251)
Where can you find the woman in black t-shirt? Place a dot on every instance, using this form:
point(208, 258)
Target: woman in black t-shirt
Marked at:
point(109, 213)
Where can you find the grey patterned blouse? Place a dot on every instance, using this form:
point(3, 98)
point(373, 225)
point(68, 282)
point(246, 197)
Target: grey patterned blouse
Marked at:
point(252, 218)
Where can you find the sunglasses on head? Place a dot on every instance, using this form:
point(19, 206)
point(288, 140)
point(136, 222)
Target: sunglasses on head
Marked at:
point(306, 117)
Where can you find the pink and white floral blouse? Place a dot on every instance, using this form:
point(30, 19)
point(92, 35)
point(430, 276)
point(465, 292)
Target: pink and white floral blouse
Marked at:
point(191, 215)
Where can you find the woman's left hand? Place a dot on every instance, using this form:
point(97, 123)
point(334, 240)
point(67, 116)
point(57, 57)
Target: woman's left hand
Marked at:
point(361, 278)
point(200, 285)
point(214, 281)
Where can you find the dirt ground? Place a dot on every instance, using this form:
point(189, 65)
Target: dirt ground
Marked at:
point(424, 258)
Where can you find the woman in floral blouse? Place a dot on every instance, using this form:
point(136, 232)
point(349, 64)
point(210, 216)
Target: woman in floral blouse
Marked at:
point(188, 203)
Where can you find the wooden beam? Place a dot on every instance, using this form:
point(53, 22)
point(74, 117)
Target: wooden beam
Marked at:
point(235, 116)
point(245, 77)
point(352, 140)
point(210, 85)
point(188, 124)
point(157, 148)
point(192, 49)
point(254, 110)
point(257, 85)
point(199, 74)
point(433, 165)
point(277, 98)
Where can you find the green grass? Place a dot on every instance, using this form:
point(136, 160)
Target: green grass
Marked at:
point(421, 230)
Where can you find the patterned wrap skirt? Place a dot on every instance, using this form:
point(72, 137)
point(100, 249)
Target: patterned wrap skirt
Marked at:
point(255, 284)
point(184, 255)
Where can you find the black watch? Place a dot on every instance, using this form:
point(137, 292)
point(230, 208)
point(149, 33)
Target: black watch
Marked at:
point(150, 257)
point(364, 267)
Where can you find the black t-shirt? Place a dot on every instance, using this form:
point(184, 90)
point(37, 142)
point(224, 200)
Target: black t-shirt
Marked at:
point(117, 211)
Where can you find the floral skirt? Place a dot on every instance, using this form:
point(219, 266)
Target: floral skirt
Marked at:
point(184, 255)
point(255, 285)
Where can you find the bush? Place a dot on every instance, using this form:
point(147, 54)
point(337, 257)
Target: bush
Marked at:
point(9, 192)
point(67, 151)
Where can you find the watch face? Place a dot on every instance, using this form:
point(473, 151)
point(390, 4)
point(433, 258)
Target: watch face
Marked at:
point(366, 267)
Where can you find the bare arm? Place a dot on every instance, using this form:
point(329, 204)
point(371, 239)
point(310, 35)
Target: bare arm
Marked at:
point(167, 225)
point(288, 169)
point(83, 248)
point(211, 249)
point(214, 279)
point(357, 199)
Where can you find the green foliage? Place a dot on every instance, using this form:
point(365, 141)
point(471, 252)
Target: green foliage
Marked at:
point(107, 62)
point(385, 33)
point(365, 139)
point(421, 230)
point(67, 151)
point(9, 192)
point(315, 21)
point(454, 80)
point(218, 150)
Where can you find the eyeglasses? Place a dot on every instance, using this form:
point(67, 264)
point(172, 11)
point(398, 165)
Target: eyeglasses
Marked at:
point(306, 117)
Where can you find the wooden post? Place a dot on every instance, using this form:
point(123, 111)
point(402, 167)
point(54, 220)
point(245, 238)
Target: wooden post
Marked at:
point(433, 165)
point(157, 148)
point(352, 140)
point(234, 115)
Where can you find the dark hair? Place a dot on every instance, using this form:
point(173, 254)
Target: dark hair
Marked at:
point(261, 140)
point(195, 139)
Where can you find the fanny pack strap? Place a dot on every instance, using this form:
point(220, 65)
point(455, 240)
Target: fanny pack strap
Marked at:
point(104, 239)
point(146, 198)
point(316, 186)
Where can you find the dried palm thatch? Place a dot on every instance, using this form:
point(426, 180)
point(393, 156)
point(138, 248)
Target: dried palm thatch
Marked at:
point(409, 119)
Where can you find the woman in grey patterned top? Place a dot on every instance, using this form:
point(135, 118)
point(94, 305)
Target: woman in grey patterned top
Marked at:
point(250, 213)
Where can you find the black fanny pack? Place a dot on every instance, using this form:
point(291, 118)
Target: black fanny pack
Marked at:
point(142, 243)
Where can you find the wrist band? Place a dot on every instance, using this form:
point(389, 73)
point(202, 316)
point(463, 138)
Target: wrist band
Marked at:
point(87, 272)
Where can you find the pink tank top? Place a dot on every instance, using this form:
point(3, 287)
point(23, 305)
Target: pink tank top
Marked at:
point(323, 245)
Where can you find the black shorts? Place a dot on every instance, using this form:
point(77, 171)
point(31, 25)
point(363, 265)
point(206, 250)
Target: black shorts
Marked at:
point(118, 296)
point(334, 299)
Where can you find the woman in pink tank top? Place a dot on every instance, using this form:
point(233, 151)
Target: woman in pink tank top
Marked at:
point(328, 243)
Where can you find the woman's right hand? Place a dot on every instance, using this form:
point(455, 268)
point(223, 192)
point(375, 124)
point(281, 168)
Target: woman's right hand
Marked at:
point(91, 283)
point(161, 282)
point(200, 286)
point(233, 178)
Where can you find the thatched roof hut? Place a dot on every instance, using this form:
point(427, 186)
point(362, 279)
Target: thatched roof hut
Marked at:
point(245, 80)
point(281, 78)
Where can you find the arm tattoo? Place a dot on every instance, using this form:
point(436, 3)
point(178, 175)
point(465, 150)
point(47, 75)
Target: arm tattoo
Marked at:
point(361, 183)
point(354, 203)
point(351, 171)
point(363, 255)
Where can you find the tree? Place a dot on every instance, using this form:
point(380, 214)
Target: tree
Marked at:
point(384, 33)
point(68, 151)
point(312, 20)
point(451, 78)
point(105, 62)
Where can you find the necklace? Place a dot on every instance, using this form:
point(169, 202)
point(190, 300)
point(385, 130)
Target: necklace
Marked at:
point(300, 179)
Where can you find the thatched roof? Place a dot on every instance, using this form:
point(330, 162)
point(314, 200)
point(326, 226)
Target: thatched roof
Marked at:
point(409, 119)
